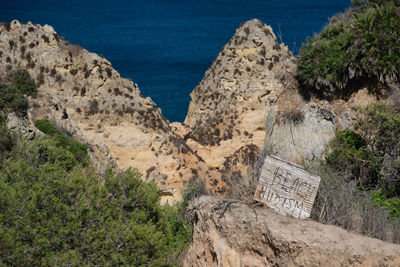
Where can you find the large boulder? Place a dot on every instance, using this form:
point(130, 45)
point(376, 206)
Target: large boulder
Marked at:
point(234, 233)
point(300, 131)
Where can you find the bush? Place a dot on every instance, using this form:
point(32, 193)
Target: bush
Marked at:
point(360, 185)
point(7, 140)
point(23, 83)
point(372, 157)
point(12, 101)
point(196, 188)
point(66, 142)
point(360, 45)
point(294, 115)
point(350, 155)
point(380, 126)
point(12, 97)
point(93, 107)
point(53, 212)
point(392, 204)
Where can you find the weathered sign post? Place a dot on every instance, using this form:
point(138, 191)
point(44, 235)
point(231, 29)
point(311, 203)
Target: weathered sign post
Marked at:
point(287, 188)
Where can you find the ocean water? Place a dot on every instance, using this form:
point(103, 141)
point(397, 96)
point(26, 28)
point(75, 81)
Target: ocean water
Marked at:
point(166, 45)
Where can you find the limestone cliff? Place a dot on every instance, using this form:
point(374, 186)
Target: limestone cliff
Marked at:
point(229, 233)
point(228, 109)
point(85, 97)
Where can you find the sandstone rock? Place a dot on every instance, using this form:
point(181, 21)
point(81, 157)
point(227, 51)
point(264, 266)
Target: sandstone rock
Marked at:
point(85, 97)
point(229, 108)
point(229, 233)
point(248, 101)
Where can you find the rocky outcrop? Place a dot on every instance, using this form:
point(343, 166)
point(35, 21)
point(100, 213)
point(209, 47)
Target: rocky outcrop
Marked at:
point(299, 131)
point(229, 233)
point(248, 102)
point(22, 125)
point(228, 109)
point(86, 98)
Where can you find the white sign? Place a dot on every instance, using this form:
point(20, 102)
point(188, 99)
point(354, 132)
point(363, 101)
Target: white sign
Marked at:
point(287, 188)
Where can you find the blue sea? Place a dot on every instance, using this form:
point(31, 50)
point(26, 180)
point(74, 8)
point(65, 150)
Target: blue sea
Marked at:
point(166, 45)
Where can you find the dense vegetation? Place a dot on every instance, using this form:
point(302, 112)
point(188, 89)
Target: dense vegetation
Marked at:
point(359, 45)
point(364, 175)
point(372, 157)
point(77, 149)
point(55, 211)
point(360, 186)
point(12, 94)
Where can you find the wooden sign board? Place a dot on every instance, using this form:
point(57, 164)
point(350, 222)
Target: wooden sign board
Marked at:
point(286, 188)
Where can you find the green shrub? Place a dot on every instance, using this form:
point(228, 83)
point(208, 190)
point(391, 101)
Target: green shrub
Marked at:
point(360, 45)
point(380, 126)
point(196, 188)
point(76, 148)
point(12, 97)
point(12, 101)
point(350, 155)
point(54, 213)
point(360, 186)
point(7, 140)
point(372, 157)
point(23, 83)
point(392, 204)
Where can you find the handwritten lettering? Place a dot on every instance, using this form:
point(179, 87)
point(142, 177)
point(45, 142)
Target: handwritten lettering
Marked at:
point(286, 188)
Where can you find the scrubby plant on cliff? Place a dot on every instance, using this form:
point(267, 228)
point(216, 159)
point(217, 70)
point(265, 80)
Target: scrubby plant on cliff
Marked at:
point(55, 212)
point(359, 45)
point(23, 83)
point(360, 186)
point(372, 155)
point(13, 94)
point(7, 139)
point(77, 149)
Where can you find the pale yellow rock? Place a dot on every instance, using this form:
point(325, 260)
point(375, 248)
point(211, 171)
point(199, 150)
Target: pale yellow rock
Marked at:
point(82, 95)
point(228, 109)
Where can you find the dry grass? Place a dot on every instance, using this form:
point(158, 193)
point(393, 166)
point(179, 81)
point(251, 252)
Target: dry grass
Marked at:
point(294, 115)
point(340, 203)
point(290, 105)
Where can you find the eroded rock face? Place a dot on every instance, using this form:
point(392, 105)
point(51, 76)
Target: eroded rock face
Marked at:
point(236, 234)
point(228, 109)
point(23, 126)
point(248, 102)
point(299, 131)
point(84, 96)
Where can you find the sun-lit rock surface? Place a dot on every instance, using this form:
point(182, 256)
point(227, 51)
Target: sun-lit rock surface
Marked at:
point(84, 96)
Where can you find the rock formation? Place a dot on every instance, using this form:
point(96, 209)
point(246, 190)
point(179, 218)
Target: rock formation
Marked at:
point(248, 101)
point(299, 131)
point(82, 95)
point(228, 109)
point(229, 233)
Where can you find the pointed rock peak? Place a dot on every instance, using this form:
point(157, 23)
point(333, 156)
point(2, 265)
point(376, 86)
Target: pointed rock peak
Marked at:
point(252, 34)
